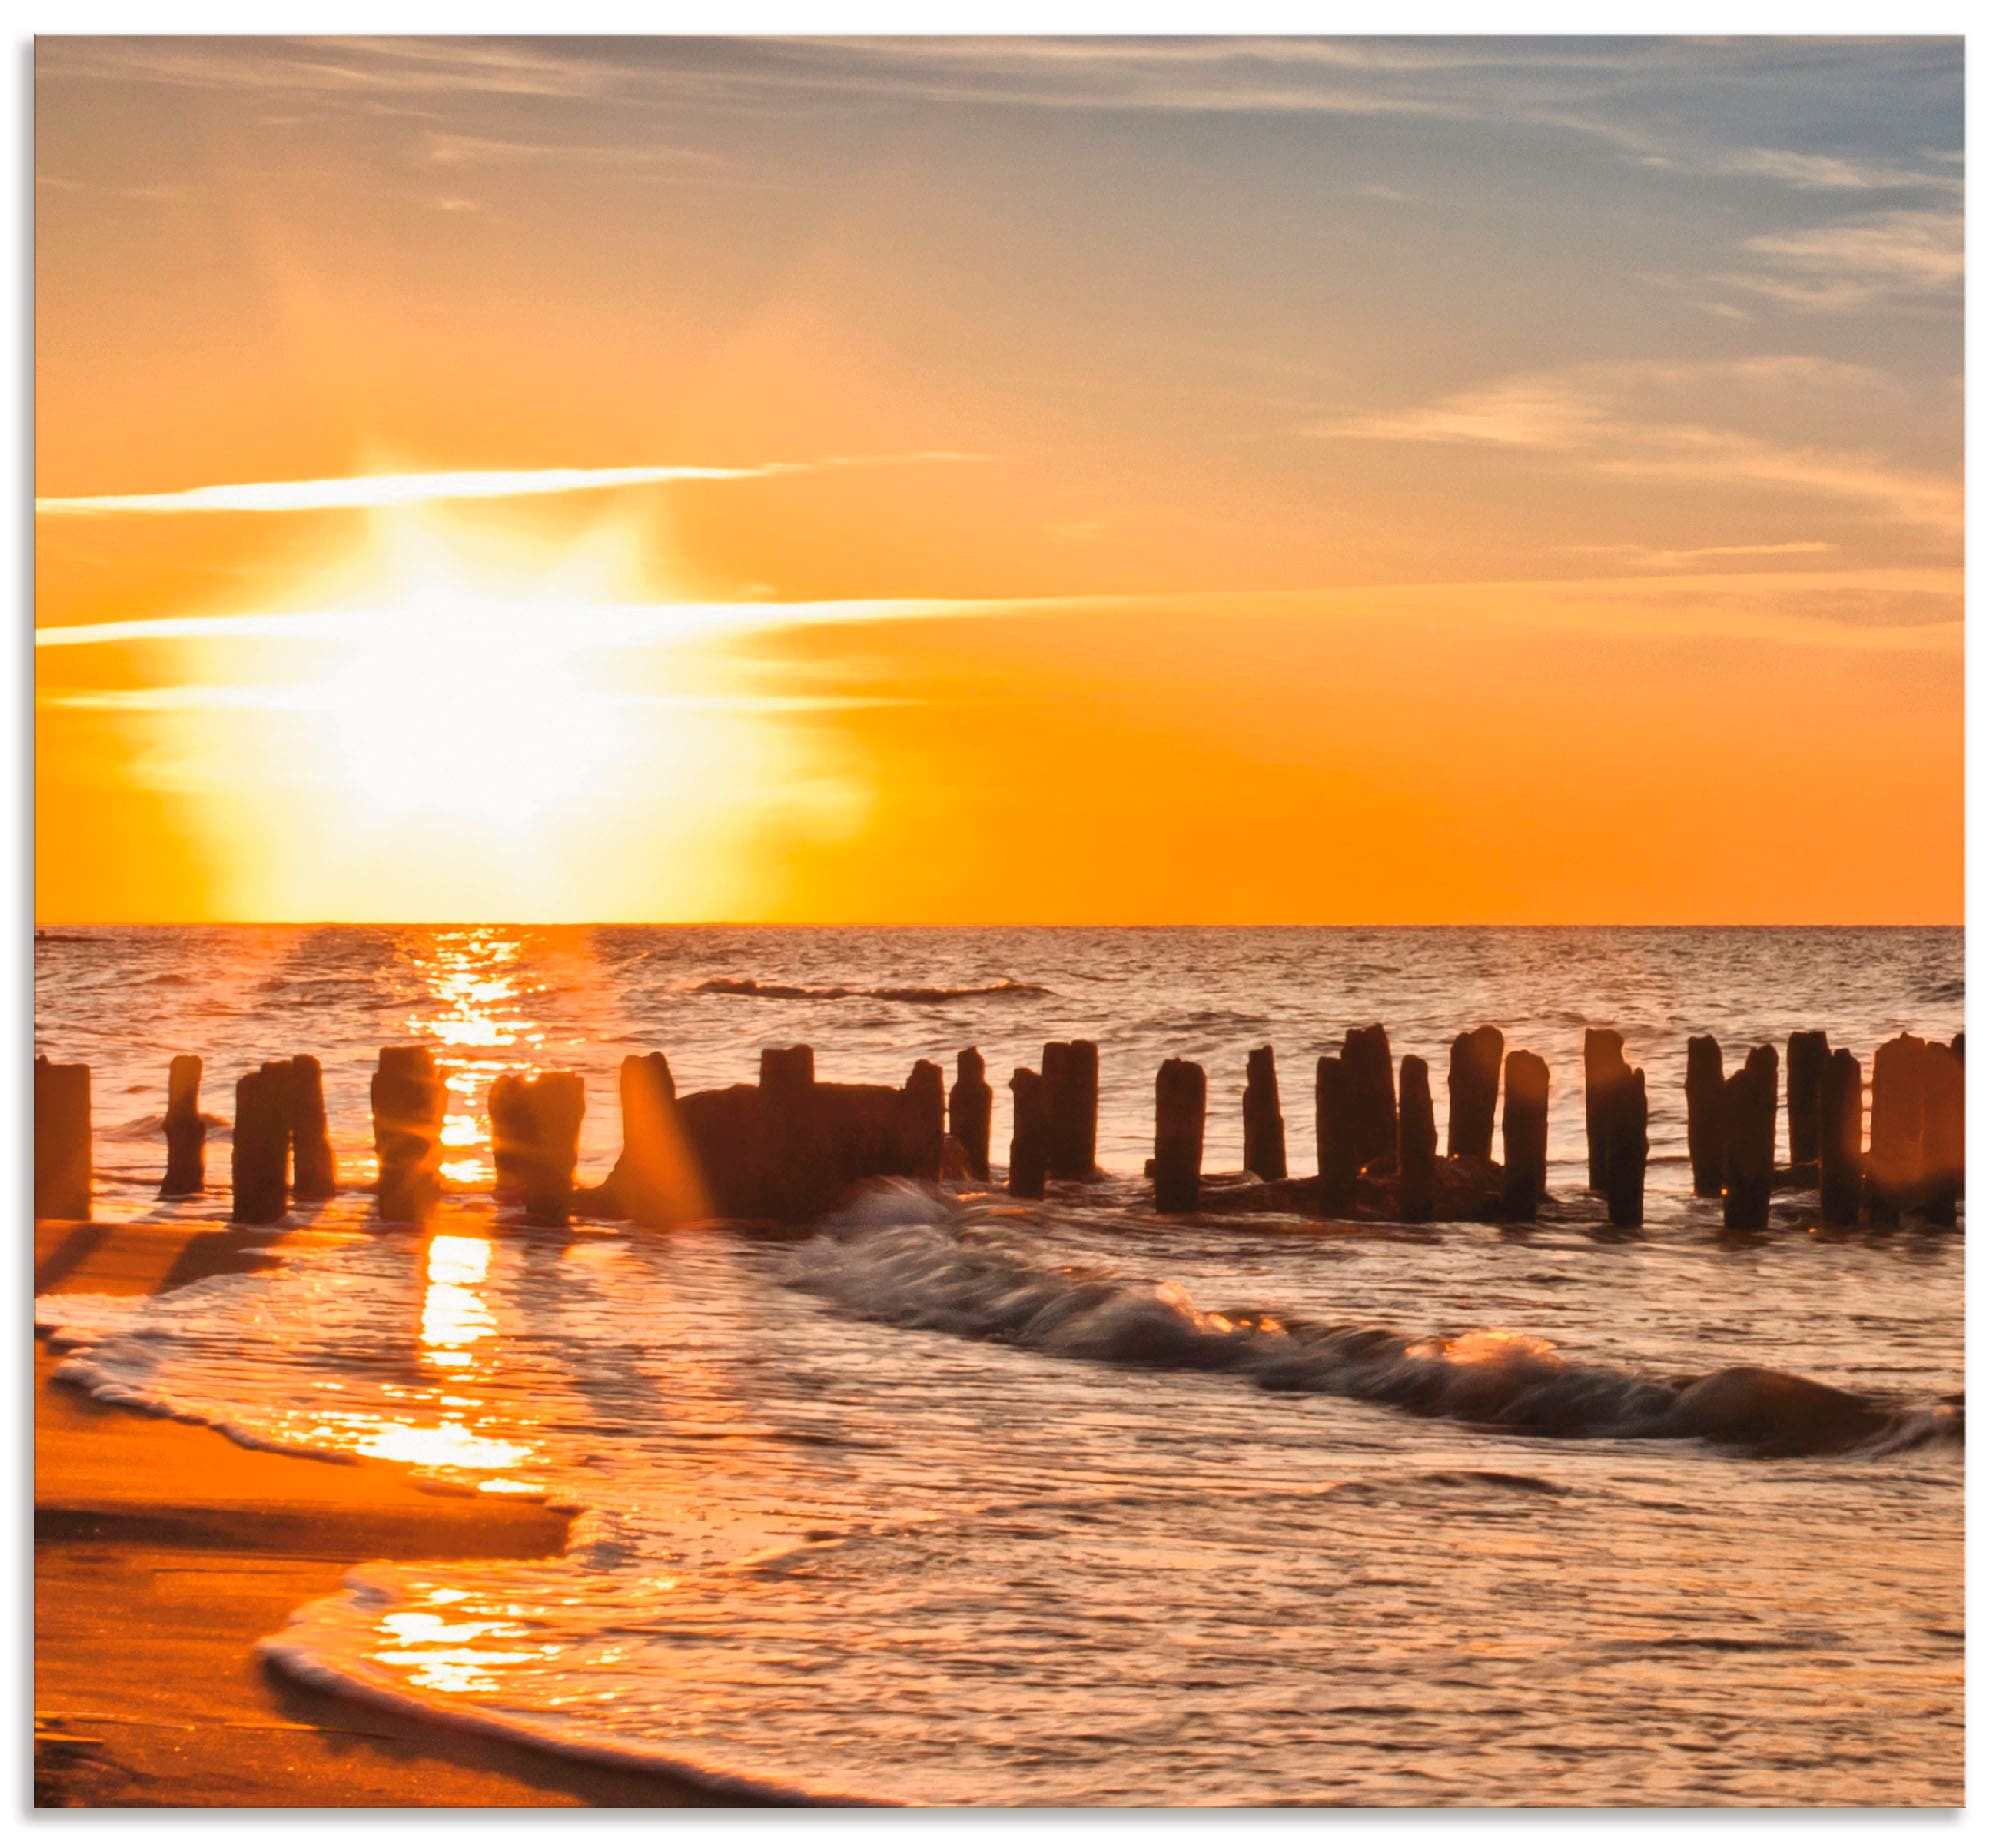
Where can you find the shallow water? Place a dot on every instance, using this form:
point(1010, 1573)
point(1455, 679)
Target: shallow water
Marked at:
point(961, 1502)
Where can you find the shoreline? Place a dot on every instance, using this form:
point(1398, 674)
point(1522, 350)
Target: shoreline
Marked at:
point(165, 1551)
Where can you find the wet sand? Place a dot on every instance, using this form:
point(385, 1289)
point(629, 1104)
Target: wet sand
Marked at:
point(163, 1552)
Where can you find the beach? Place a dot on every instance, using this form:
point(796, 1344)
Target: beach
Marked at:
point(164, 1552)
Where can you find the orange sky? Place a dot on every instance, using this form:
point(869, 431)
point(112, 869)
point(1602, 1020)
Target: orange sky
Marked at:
point(999, 481)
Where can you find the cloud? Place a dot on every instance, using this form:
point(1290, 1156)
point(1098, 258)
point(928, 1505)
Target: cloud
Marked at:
point(1831, 172)
point(1645, 556)
point(370, 490)
point(1631, 418)
point(1886, 258)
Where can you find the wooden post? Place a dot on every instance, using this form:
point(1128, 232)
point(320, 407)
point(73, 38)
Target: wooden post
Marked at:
point(972, 1114)
point(1943, 1175)
point(1333, 1120)
point(1263, 1123)
point(1750, 1114)
point(920, 1123)
point(1371, 1085)
point(794, 1178)
point(1896, 1128)
point(1473, 1082)
point(1416, 1144)
point(1704, 1108)
point(1028, 1154)
point(260, 1144)
point(1840, 1141)
point(1180, 1117)
point(555, 1105)
point(1069, 1076)
point(187, 1131)
point(1806, 1055)
point(654, 1182)
point(1603, 1061)
point(62, 1140)
point(407, 1100)
point(511, 1124)
point(1524, 1135)
point(313, 1170)
point(1625, 1146)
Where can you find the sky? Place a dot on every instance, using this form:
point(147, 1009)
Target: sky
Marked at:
point(999, 480)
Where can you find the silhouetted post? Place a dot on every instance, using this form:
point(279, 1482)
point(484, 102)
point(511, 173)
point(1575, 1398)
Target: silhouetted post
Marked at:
point(1371, 1086)
point(1603, 1062)
point(1706, 1130)
point(1840, 1141)
point(1958, 1045)
point(972, 1114)
point(654, 1181)
point(312, 1149)
point(1623, 1116)
point(1524, 1135)
point(1806, 1055)
point(407, 1100)
point(792, 1150)
point(260, 1144)
point(1028, 1154)
point(1180, 1117)
point(187, 1131)
point(920, 1123)
point(1333, 1121)
point(555, 1120)
point(1943, 1179)
point(1750, 1142)
point(62, 1140)
point(1473, 1083)
point(1069, 1075)
point(1896, 1127)
point(512, 1125)
point(1416, 1144)
point(1263, 1123)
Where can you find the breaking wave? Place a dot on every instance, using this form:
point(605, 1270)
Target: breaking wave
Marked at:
point(894, 994)
point(905, 1256)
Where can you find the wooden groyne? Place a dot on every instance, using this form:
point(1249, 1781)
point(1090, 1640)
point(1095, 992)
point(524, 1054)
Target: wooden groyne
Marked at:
point(789, 1146)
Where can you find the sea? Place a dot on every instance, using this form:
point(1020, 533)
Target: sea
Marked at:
point(951, 1499)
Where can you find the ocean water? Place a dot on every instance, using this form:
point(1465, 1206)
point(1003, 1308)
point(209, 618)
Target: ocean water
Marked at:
point(953, 1500)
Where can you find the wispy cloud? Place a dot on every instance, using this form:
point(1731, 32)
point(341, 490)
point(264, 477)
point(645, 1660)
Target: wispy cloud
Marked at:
point(359, 492)
point(1887, 257)
point(1632, 419)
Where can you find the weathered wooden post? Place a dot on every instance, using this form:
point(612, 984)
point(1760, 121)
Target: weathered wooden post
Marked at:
point(407, 1100)
point(1069, 1076)
point(1623, 1116)
point(654, 1182)
point(1943, 1175)
point(313, 1171)
point(1028, 1153)
point(62, 1140)
point(1263, 1123)
point(187, 1131)
point(1806, 1056)
point(793, 1154)
point(1473, 1083)
point(1180, 1117)
point(1524, 1135)
point(1603, 1062)
point(1895, 1128)
point(1706, 1129)
point(920, 1123)
point(1334, 1137)
point(555, 1119)
point(1416, 1143)
point(972, 1114)
point(260, 1144)
point(1840, 1141)
point(1371, 1086)
point(1750, 1144)
point(511, 1123)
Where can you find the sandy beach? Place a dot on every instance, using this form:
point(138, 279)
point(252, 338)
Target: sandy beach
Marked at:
point(163, 1552)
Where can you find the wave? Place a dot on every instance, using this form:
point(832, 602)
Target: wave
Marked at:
point(894, 994)
point(909, 1257)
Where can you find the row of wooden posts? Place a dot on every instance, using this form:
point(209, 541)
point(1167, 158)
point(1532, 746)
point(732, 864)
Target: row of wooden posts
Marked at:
point(788, 1146)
